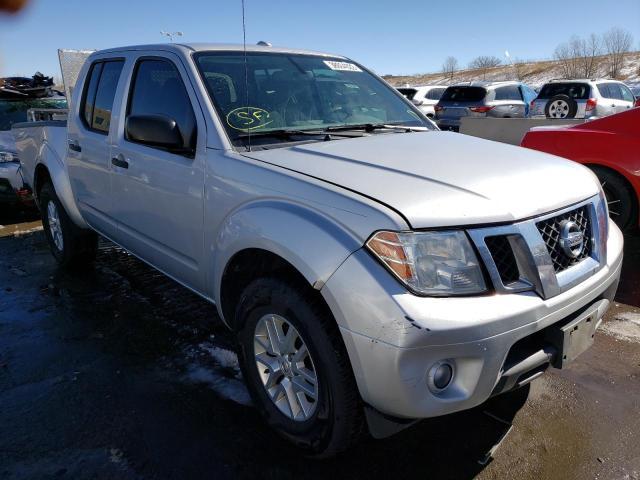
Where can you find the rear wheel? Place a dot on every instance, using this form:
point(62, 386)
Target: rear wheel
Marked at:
point(296, 367)
point(621, 199)
point(70, 245)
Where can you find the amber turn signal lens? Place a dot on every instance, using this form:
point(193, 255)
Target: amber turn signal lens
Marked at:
point(387, 246)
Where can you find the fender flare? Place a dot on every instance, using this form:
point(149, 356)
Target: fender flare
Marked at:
point(296, 233)
point(49, 159)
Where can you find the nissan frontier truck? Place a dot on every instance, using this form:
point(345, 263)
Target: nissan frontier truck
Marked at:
point(374, 270)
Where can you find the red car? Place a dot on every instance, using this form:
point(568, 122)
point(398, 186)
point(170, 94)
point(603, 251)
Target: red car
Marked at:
point(610, 146)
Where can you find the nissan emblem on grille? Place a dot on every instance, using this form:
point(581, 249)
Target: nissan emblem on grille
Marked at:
point(571, 239)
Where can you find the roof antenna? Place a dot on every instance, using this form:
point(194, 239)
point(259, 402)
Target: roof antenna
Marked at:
point(246, 74)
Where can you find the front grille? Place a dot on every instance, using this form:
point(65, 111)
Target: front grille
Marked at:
point(504, 258)
point(550, 231)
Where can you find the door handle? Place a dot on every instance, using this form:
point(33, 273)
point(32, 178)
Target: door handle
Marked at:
point(119, 161)
point(75, 146)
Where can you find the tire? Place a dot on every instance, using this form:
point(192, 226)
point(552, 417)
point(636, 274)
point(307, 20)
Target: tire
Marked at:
point(71, 246)
point(621, 199)
point(561, 106)
point(335, 419)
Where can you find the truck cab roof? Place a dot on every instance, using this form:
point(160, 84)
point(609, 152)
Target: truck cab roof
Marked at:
point(187, 48)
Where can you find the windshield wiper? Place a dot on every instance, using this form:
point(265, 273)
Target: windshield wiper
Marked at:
point(281, 133)
point(370, 127)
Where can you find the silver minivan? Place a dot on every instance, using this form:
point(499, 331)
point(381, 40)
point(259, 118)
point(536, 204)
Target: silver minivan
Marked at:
point(582, 99)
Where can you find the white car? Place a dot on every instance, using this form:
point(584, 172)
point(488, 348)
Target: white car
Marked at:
point(424, 97)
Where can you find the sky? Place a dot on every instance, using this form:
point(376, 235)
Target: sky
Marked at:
point(388, 37)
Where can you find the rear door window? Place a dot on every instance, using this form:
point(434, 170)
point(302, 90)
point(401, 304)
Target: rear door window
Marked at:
point(464, 94)
point(100, 91)
point(509, 92)
point(606, 90)
point(575, 90)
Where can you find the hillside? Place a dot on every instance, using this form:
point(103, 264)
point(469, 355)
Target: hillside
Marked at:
point(533, 73)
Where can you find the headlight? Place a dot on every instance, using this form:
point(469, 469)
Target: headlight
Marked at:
point(430, 263)
point(6, 157)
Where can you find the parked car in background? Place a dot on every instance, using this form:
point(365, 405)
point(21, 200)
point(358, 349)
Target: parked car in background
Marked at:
point(373, 269)
point(635, 89)
point(17, 96)
point(482, 99)
point(582, 99)
point(610, 146)
point(424, 97)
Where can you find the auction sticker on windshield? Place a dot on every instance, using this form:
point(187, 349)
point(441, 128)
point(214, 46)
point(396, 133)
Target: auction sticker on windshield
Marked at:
point(342, 66)
point(248, 118)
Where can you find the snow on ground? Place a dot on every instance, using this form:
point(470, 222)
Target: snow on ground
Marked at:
point(218, 369)
point(624, 326)
point(532, 73)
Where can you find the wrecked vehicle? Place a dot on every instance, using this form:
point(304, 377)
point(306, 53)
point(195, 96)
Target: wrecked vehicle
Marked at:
point(19, 96)
point(374, 269)
point(37, 86)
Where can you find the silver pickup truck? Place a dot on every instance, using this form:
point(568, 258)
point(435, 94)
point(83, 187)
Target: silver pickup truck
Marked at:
point(374, 270)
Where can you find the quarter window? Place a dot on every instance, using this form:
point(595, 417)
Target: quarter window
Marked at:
point(435, 93)
point(158, 89)
point(510, 92)
point(100, 92)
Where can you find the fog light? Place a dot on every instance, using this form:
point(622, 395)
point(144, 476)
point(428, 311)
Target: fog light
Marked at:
point(440, 376)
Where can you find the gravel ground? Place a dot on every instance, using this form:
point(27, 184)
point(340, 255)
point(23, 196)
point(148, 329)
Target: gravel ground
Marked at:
point(121, 373)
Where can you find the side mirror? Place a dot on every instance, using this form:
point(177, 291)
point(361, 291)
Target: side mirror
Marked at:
point(156, 131)
point(637, 103)
point(417, 102)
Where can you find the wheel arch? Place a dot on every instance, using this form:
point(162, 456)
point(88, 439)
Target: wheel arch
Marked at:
point(623, 176)
point(275, 237)
point(50, 167)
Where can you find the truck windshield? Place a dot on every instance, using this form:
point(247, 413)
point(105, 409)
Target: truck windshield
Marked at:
point(15, 111)
point(298, 93)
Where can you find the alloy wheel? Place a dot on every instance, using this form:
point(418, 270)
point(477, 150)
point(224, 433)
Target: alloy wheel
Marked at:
point(613, 201)
point(285, 367)
point(54, 225)
point(559, 109)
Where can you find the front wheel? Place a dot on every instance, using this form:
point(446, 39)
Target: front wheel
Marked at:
point(621, 199)
point(70, 245)
point(296, 367)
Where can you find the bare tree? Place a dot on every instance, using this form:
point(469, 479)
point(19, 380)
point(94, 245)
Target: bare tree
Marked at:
point(579, 57)
point(449, 67)
point(617, 43)
point(567, 57)
point(483, 63)
point(519, 69)
point(589, 51)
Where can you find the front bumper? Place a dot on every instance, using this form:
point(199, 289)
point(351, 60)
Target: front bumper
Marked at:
point(393, 337)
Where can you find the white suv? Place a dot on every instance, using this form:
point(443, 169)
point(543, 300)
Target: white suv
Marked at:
point(582, 99)
point(424, 97)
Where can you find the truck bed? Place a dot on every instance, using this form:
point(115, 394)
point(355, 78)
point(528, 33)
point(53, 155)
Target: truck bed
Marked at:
point(34, 140)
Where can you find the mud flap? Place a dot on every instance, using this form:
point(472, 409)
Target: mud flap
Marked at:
point(382, 426)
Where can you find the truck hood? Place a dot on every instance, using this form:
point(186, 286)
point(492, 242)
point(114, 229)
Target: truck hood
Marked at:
point(441, 179)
